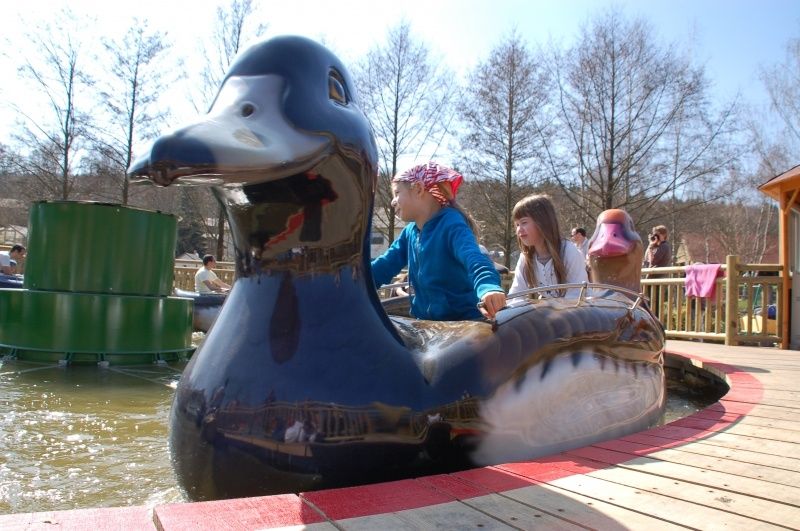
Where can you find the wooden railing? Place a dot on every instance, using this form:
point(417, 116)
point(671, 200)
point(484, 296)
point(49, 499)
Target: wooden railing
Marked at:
point(747, 306)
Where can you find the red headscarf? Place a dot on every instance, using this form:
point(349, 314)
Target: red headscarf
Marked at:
point(429, 175)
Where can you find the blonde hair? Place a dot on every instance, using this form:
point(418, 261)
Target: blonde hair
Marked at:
point(661, 229)
point(539, 208)
point(447, 191)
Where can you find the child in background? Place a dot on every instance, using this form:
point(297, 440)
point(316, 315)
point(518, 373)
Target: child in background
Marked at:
point(545, 257)
point(446, 268)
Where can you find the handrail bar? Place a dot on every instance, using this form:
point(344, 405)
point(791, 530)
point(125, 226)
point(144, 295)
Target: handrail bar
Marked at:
point(584, 287)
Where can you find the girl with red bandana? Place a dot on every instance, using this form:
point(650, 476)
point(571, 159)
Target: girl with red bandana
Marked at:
point(446, 269)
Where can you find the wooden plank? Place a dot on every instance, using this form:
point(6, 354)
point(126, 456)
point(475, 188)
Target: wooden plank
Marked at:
point(650, 445)
point(773, 393)
point(708, 496)
point(283, 510)
point(729, 464)
point(772, 434)
point(675, 511)
point(761, 488)
point(451, 515)
point(787, 383)
point(682, 428)
point(788, 426)
point(763, 411)
point(105, 519)
point(523, 515)
point(731, 441)
point(585, 511)
point(352, 502)
point(570, 506)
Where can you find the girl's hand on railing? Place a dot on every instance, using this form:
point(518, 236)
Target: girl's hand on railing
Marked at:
point(491, 303)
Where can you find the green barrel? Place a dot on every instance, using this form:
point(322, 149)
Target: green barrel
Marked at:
point(97, 284)
point(47, 326)
point(86, 247)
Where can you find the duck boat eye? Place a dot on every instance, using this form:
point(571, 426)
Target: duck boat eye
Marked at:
point(248, 109)
point(336, 90)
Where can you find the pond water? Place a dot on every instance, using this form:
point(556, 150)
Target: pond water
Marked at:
point(82, 437)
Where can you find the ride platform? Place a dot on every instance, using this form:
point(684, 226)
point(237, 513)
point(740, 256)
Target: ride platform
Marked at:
point(734, 464)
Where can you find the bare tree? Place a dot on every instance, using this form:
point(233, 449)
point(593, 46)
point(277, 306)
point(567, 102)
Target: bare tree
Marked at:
point(233, 29)
point(406, 95)
point(782, 82)
point(743, 220)
point(56, 133)
point(503, 116)
point(635, 123)
point(128, 95)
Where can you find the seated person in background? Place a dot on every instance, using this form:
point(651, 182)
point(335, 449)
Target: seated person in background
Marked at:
point(206, 281)
point(447, 271)
point(545, 257)
point(8, 260)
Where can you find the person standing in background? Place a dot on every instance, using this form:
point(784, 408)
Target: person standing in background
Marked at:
point(658, 254)
point(578, 237)
point(659, 251)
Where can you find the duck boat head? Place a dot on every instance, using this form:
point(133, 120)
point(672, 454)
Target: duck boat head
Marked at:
point(305, 381)
point(616, 251)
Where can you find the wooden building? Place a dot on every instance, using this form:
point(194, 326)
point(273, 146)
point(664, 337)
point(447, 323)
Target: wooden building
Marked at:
point(785, 188)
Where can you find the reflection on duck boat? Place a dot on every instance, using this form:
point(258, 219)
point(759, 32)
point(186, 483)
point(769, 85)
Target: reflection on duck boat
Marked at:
point(11, 281)
point(206, 307)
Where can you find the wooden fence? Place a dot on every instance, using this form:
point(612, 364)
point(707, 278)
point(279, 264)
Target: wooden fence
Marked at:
point(747, 306)
point(750, 294)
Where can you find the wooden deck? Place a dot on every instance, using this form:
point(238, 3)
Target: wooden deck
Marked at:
point(734, 465)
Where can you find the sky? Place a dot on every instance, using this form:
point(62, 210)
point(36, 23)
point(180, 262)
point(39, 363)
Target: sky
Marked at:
point(731, 38)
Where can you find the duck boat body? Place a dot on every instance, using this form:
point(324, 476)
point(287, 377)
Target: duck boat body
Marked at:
point(305, 381)
point(11, 281)
point(205, 307)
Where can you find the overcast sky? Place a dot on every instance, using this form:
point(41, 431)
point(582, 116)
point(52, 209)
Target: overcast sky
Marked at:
point(732, 38)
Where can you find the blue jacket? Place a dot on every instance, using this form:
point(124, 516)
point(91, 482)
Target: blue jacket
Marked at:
point(446, 268)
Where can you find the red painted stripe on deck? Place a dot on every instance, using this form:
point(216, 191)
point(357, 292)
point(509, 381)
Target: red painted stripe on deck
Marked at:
point(493, 479)
point(244, 513)
point(352, 502)
point(454, 486)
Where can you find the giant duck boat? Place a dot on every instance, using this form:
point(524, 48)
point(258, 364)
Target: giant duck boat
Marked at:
point(305, 381)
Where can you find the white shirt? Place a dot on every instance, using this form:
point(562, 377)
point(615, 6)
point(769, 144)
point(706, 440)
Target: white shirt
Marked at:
point(583, 247)
point(546, 273)
point(5, 259)
point(199, 277)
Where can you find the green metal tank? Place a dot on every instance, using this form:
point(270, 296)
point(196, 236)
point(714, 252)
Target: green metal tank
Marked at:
point(87, 247)
point(96, 288)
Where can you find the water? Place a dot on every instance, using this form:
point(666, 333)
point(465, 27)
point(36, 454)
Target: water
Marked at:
point(82, 437)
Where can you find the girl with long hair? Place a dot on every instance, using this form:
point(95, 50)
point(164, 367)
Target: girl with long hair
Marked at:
point(545, 257)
